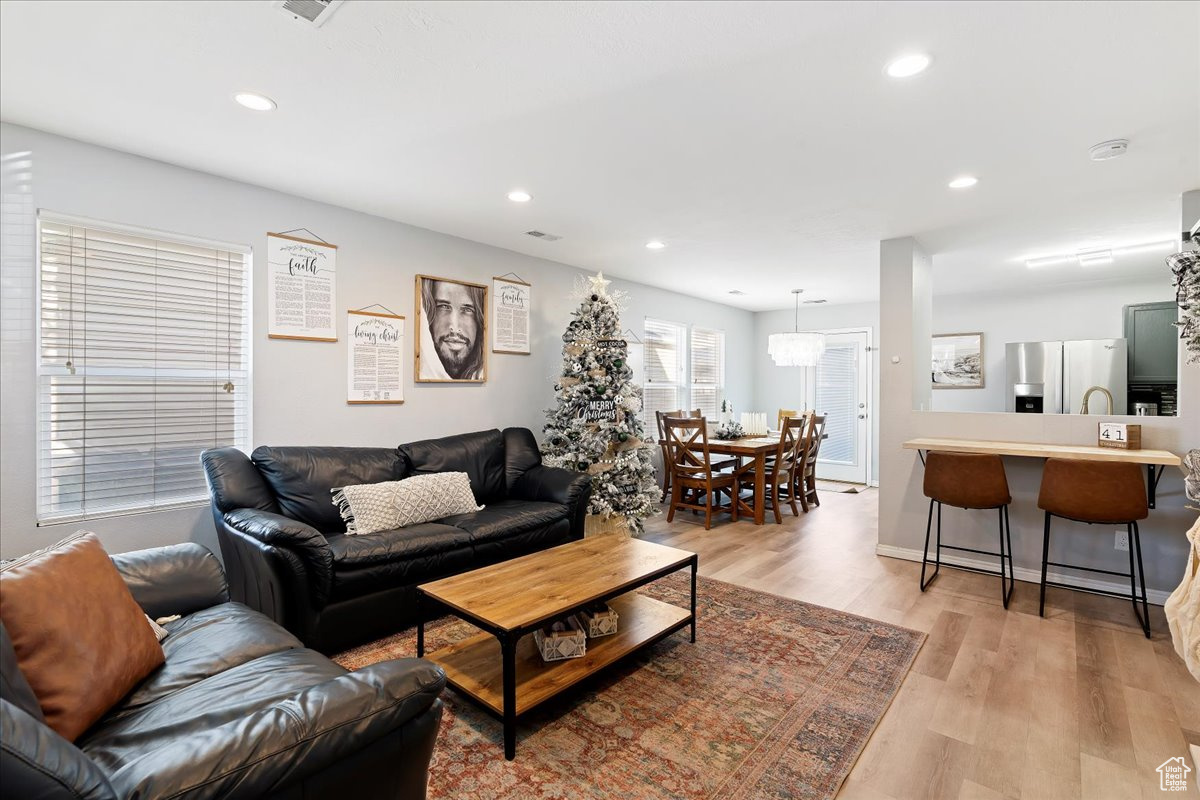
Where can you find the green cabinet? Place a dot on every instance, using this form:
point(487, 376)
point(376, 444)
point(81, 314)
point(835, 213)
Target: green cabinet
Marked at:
point(1153, 342)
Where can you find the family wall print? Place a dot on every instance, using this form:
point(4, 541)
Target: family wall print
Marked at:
point(301, 288)
point(451, 331)
point(512, 305)
point(958, 361)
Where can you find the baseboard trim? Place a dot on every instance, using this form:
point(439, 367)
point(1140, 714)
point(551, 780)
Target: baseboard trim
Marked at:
point(1155, 596)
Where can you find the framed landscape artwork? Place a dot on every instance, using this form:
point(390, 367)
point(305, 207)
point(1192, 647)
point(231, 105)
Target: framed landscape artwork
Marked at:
point(451, 331)
point(958, 361)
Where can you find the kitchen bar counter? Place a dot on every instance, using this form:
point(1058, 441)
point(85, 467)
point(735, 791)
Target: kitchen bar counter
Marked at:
point(1076, 452)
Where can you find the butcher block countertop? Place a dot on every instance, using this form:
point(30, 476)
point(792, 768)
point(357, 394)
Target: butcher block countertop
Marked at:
point(1076, 452)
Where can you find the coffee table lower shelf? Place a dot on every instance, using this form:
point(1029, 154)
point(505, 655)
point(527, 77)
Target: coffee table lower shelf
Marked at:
point(474, 666)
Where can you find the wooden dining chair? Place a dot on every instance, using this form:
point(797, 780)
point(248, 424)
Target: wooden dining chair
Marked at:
point(695, 413)
point(784, 413)
point(807, 485)
point(692, 471)
point(789, 458)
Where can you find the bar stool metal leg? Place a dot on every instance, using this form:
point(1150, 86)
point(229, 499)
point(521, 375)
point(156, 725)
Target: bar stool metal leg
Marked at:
point(1007, 580)
point(1008, 535)
point(1045, 558)
point(1144, 617)
point(925, 552)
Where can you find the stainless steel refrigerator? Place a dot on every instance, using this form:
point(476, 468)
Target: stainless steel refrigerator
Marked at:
point(1054, 377)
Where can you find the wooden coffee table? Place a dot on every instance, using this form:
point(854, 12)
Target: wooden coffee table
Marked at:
point(501, 669)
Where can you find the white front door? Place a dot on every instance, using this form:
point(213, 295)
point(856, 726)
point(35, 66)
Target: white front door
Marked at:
point(839, 390)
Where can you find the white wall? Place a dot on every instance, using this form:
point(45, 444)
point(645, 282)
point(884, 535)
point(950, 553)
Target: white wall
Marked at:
point(903, 506)
point(1076, 311)
point(299, 387)
point(784, 387)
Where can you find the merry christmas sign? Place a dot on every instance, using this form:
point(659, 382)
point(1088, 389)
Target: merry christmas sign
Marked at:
point(600, 411)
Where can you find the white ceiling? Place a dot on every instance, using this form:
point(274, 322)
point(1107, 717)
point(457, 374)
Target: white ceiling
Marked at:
point(761, 141)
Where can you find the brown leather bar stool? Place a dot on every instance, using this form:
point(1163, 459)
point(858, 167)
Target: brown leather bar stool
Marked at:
point(971, 481)
point(1096, 492)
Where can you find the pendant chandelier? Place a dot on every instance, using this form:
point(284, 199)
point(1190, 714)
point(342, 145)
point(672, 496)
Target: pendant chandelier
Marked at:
point(798, 348)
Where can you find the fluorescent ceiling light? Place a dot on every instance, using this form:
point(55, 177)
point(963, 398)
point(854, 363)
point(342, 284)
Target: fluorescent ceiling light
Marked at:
point(655, 244)
point(1048, 261)
point(520, 196)
point(907, 66)
point(1145, 248)
point(254, 101)
point(1095, 258)
point(963, 182)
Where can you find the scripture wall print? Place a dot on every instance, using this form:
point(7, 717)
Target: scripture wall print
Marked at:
point(451, 331)
point(301, 288)
point(375, 358)
point(511, 312)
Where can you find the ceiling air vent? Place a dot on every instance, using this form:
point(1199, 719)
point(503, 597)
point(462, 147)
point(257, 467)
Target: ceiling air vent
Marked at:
point(314, 12)
point(736, 291)
point(549, 237)
point(812, 302)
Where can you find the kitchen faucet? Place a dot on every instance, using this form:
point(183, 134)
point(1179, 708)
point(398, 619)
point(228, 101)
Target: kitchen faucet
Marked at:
point(1083, 409)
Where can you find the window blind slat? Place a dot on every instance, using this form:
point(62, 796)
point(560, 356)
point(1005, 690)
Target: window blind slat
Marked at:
point(139, 336)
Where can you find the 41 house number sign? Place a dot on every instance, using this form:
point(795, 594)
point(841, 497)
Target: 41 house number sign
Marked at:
point(1120, 435)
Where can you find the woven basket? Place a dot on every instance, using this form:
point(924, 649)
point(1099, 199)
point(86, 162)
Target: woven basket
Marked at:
point(605, 524)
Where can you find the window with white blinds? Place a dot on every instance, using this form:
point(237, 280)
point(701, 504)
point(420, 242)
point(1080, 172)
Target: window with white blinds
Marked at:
point(143, 364)
point(708, 371)
point(836, 396)
point(663, 351)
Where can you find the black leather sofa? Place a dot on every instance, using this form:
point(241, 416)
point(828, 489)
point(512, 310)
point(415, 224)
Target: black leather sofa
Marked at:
point(239, 710)
point(287, 553)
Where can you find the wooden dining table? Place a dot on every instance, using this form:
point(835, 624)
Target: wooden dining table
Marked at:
point(756, 449)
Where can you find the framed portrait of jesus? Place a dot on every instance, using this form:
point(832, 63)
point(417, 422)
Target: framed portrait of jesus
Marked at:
point(451, 338)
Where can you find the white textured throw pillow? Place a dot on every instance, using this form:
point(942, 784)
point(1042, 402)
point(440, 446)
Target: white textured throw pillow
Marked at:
point(371, 507)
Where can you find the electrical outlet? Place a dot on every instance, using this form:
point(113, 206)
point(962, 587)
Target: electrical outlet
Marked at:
point(1122, 542)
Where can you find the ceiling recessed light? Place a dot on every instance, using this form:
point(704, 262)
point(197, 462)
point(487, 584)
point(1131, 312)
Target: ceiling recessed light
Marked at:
point(655, 244)
point(907, 66)
point(963, 182)
point(254, 101)
point(520, 196)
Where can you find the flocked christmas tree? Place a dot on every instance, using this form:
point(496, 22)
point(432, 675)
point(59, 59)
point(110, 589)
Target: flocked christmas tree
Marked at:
point(596, 426)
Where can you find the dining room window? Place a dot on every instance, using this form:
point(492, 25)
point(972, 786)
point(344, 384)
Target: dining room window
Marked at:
point(663, 388)
point(707, 367)
point(143, 363)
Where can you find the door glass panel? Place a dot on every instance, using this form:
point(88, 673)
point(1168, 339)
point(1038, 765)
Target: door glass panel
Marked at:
point(837, 400)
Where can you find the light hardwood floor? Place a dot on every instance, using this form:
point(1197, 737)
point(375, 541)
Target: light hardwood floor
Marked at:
point(999, 704)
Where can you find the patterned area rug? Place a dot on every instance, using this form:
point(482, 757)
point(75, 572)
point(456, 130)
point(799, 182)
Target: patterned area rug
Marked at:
point(776, 699)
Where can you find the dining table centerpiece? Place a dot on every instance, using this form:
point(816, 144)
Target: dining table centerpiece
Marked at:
point(729, 430)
